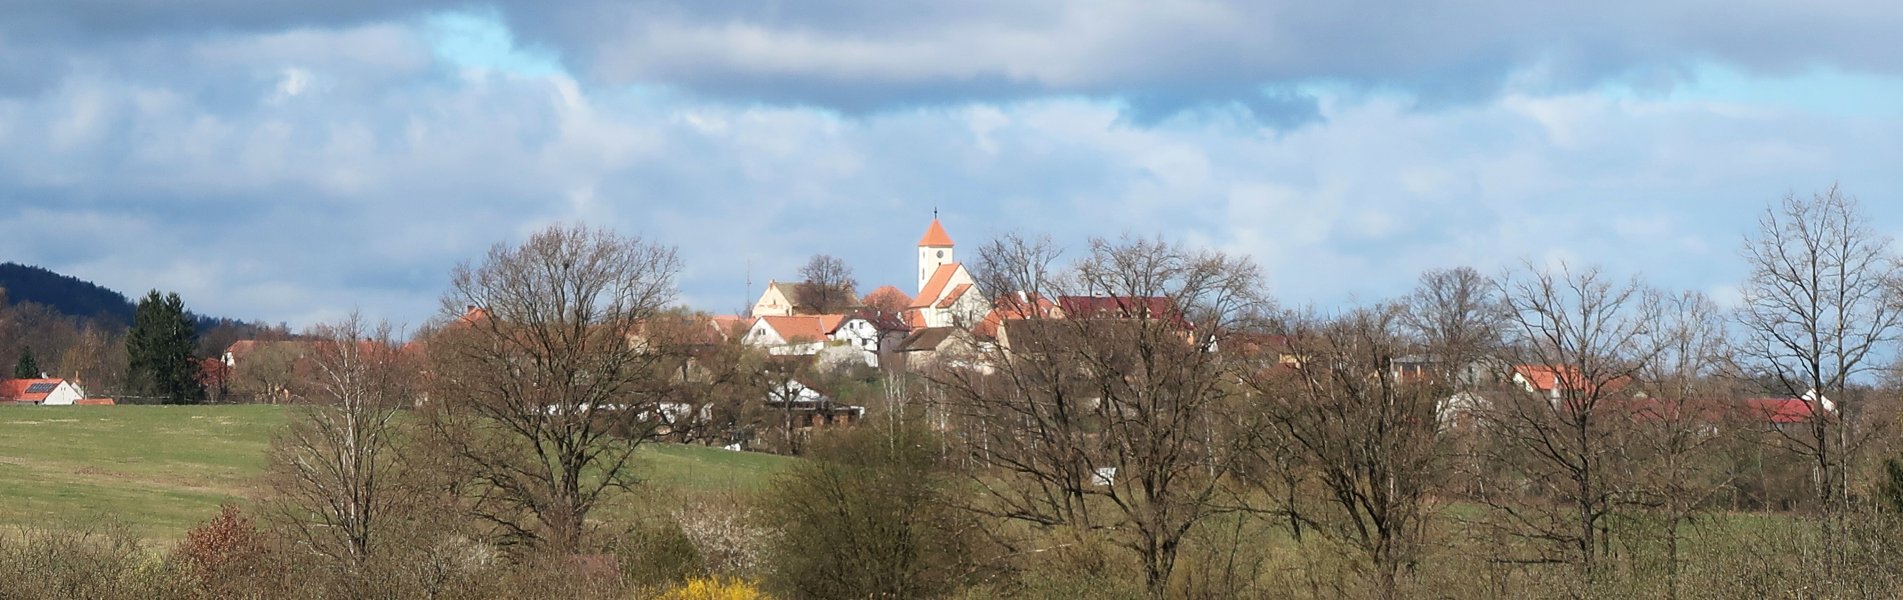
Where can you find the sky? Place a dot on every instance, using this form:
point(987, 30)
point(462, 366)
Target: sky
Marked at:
point(294, 161)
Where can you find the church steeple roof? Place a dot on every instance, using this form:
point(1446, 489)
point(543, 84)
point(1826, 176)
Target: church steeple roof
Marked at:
point(935, 236)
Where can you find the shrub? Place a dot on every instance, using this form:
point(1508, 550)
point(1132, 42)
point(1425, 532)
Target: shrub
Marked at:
point(713, 589)
point(728, 539)
point(95, 561)
point(225, 551)
point(657, 552)
point(868, 518)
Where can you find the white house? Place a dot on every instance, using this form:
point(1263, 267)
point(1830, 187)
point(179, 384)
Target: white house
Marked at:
point(870, 333)
point(792, 335)
point(44, 392)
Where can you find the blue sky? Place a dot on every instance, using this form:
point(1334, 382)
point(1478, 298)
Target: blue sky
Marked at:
point(293, 161)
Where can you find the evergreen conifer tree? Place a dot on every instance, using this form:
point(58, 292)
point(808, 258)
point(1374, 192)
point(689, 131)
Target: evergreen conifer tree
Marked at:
point(159, 347)
point(28, 367)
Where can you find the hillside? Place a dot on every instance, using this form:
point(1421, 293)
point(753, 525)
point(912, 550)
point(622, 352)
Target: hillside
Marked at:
point(162, 469)
point(68, 295)
point(81, 299)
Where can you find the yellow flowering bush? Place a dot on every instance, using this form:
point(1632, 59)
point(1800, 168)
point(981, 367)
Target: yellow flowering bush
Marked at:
point(714, 589)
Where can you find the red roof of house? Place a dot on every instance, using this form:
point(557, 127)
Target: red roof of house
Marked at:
point(1780, 410)
point(935, 286)
point(28, 390)
point(1011, 307)
point(1714, 410)
point(93, 402)
point(807, 328)
point(952, 297)
point(1121, 307)
point(935, 236)
point(212, 371)
point(1546, 378)
point(731, 326)
point(830, 323)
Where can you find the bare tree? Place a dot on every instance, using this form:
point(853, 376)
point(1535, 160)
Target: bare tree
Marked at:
point(1115, 418)
point(1457, 318)
point(826, 286)
point(334, 469)
point(1680, 425)
point(268, 371)
point(96, 360)
point(1361, 430)
point(1820, 302)
point(1579, 341)
point(544, 394)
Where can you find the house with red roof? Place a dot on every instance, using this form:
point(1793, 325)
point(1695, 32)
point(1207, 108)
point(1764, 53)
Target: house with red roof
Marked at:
point(1553, 382)
point(43, 392)
point(792, 335)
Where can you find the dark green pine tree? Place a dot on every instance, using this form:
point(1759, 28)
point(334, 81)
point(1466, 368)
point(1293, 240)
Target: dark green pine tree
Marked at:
point(159, 347)
point(27, 368)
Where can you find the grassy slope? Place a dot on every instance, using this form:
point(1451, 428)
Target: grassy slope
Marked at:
point(161, 469)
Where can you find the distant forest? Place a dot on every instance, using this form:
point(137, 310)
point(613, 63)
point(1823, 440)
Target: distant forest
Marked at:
point(64, 294)
point(76, 329)
point(81, 299)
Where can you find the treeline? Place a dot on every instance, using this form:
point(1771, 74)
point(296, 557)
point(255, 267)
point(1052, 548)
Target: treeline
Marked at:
point(55, 340)
point(1140, 420)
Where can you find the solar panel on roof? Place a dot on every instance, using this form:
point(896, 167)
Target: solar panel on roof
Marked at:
point(41, 388)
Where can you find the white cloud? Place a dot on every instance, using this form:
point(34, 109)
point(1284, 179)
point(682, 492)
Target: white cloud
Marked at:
point(301, 210)
point(291, 83)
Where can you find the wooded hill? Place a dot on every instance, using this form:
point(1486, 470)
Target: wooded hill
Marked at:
point(67, 295)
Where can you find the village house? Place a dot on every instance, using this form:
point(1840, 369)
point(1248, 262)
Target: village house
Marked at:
point(783, 300)
point(43, 392)
point(931, 348)
point(873, 334)
point(794, 335)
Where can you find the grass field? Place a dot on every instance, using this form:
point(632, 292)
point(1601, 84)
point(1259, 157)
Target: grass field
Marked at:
point(162, 469)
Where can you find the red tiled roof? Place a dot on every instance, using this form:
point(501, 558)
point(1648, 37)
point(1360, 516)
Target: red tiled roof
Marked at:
point(212, 371)
point(935, 286)
point(730, 326)
point(935, 235)
point(954, 295)
point(16, 389)
point(800, 328)
point(1714, 410)
point(93, 402)
point(1013, 307)
point(1780, 410)
point(1547, 378)
point(830, 323)
point(1158, 308)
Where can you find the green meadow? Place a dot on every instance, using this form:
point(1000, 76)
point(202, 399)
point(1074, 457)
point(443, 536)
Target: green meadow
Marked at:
point(161, 469)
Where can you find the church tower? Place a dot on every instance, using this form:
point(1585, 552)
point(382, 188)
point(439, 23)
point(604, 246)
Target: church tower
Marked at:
point(933, 250)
